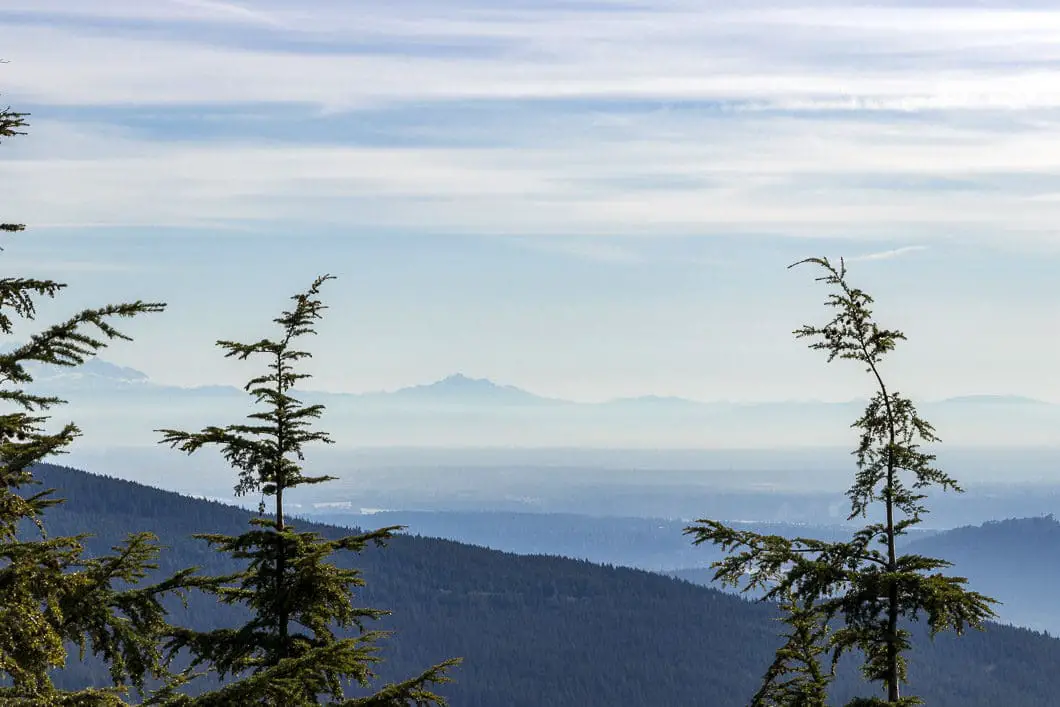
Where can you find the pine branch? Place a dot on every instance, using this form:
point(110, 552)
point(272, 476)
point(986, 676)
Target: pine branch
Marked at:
point(410, 693)
point(50, 595)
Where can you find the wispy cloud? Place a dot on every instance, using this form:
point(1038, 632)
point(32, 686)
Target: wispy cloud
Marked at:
point(803, 58)
point(214, 8)
point(134, 11)
point(711, 177)
point(888, 254)
point(552, 118)
point(589, 249)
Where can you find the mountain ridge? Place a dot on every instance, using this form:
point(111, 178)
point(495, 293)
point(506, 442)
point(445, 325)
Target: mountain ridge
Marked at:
point(459, 387)
point(1016, 560)
point(544, 630)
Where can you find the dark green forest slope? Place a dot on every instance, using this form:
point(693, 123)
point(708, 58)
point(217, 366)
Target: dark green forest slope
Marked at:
point(550, 631)
point(1016, 560)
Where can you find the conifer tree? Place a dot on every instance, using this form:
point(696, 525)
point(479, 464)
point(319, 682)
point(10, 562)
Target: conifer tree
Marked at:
point(796, 678)
point(288, 653)
point(865, 582)
point(51, 595)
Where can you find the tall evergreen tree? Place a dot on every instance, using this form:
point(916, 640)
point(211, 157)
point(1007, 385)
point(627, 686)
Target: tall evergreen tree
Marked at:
point(288, 653)
point(51, 595)
point(865, 582)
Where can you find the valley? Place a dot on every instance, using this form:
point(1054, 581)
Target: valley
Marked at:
point(537, 629)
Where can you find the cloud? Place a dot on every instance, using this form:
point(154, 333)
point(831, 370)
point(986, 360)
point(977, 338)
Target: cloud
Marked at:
point(553, 118)
point(888, 254)
point(588, 249)
point(804, 58)
point(664, 176)
point(213, 8)
point(133, 11)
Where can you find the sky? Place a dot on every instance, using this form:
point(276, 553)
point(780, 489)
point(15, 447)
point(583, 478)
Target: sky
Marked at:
point(584, 199)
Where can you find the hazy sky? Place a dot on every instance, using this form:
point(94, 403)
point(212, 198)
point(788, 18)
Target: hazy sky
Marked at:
point(586, 199)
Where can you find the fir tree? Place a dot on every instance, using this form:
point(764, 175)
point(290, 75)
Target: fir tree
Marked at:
point(865, 582)
point(51, 595)
point(796, 678)
point(288, 653)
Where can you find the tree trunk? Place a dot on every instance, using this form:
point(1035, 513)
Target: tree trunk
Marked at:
point(892, 598)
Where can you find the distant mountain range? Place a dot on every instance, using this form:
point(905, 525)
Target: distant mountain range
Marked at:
point(117, 405)
point(993, 400)
point(460, 389)
point(93, 370)
point(457, 388)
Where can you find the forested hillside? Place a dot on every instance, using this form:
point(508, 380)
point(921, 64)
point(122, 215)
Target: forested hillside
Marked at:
point(541, 630)
point(1016, 560)
point(656, 544)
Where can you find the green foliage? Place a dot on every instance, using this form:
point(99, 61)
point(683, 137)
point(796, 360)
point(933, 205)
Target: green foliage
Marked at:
point(805, 641)
point(11, 124)
point(865, 582)
point(51, 595)
point(288, 653)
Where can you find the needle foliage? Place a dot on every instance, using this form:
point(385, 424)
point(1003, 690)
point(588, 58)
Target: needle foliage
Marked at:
point(52, 596)
point(289, 653)
point(864, 584)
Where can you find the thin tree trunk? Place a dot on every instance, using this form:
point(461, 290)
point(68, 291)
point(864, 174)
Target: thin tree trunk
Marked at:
point(281, 548)
point(892, 609)
point(281, 567)
point(893, 691)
